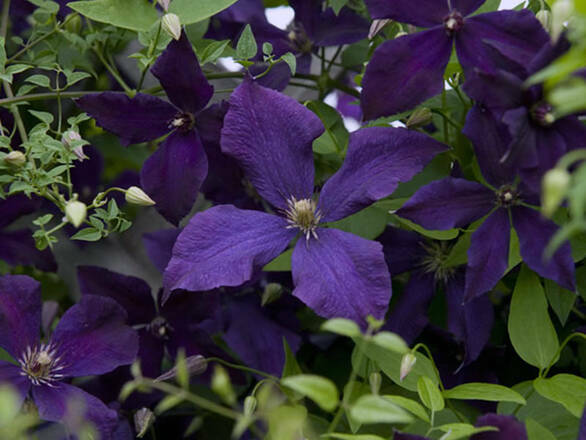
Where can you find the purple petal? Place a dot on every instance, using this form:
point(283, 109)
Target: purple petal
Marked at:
point(159, 246)
point(18, 248)
point(523, 148)
point(11, 374)
point(470, 323)
point(345, 28)
point(49, 312)
point(307, 13)
point(403, 249)
point(422, 13)
point(92, 337)
point(491, 142)
point(408, 316)
point(403, 436)
point(488, 254)
point(14, 207)
point(378, 159)
point(135, 120)
point(517, 34)
point(271, 135)
point(187, 309)
point(225, 246)
point(534, 233)
point(151, 351)
point(348, 106)
point(71, 406)
point(499, 90)
point(448, 203)
point(405, 72)
point(180, 74)
point(174, 173)
point(582, 434)
point(341, 275)
point(509, 428)
point(20, 313)
point(133, 294)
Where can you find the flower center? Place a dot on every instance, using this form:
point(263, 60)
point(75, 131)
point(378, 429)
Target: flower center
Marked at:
point(507, 196)
point(453, 22)
point(182, 121)
point(303, 214)
point(160, 328)
point(435, 260)
point(41, 365)
point(542, 114)
point(299, 38)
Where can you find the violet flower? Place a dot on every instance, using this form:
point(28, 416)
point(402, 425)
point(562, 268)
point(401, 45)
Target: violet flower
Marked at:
point(410, 69)
point(90, 339)
point(173, 175)
point(336, 273)
point(509, 428)
point(454, 203)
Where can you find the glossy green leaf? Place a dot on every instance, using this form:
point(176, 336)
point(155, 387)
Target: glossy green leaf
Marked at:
point(291, 367)
point(436, 235)
point(335, 137)
point(535, 431)
point(484, 391)
point(246, 47)
point(430, 394)
point(341, 326)
point(368, 223)
point(189, 12)
point(457, 431)
point(319, 389)
point(410, 405)
point(340, 436)
point(561, 300)
point(136, 15)
point(530, 328)
point(390, 341)
point(280, 264)
point(566, 389)
point(376, 409)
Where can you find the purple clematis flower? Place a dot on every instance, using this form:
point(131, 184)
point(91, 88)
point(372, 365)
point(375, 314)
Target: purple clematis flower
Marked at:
point(173, 175)
point(335, 273)
point(454, 203)
point(509, 428)
point(408, 70)
point(90, 339)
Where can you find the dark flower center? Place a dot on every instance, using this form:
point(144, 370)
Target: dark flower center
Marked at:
point(507, 196)
point(299, 39)
point(41, 364)
point(435, 260)
point(542, 114)
point(453, 22)
point(160, 328)
point(303, 214)
point(182, 121)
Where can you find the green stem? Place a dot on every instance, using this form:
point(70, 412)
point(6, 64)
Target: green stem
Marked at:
point(329, 66)
point(446, 118)
point(149, 54)
point(444, 105)
point(559, 352)
point(241, 367)
point(113, 72)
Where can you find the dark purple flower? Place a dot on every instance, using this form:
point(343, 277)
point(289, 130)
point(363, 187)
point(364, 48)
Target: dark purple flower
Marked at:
point(228, 24)
point(17, 247)
point(582, 433)
point(90, 339)
point(173, 175)
point(455, 202)
point(509, 428)
point(335, 273)
point(408, 70)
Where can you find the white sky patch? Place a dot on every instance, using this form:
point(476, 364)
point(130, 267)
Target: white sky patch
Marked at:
point(280, 16)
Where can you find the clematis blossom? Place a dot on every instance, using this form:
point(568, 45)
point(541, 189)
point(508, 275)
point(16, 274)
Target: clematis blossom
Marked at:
point(173, 175)
point(455, 202)
point(335, 273)
point(410, 69)
point(90, 339)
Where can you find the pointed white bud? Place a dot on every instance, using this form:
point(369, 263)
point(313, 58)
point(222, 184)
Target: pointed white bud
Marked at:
point(407, 364)
point(544, 18)
point(164, 4)
point(136, 196)
point(15, 158)
point(75, 212)
point(553, 190)
point(143, 419)
point(377, 26)
point(172, 25)
point(561, 12)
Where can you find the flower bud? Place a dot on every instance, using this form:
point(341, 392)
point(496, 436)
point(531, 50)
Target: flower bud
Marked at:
point(561, 12)
point(553, 190)
point(143, 419)
point(136, 196)
point(544, 18)
point(249, 405)
point(68, 139)
point(164, 4)
point(222, 386)
point(420, 117)
point(172, 25)
point(271, 293)
point(15, 158)
point(407, 363)
point(75, 212)
point(377, 26)
point(375, 380)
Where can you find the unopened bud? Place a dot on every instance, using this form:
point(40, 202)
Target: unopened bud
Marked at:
point(407, 364)
point(136, 196)
point(401, 34)
point(195, 364)
point(377, 26)
point(222, 386)
point(143, 420)
point(164, 4)
point(561, 12)
point(553, 190)
point(69, 138)
point(544, 18)
point(249, 405)
point(75, 212)
point(375, 380)
point(271, 293)
point(15, 158)
point(420, 117)
point(172, 25)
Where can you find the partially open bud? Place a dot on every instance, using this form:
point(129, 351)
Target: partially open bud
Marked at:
point(420, 117)
point(136, 196)
point(15, 158)
point(172, 25)
point(68, 139)
point(164, 4)
point(544, 18)
point(75, 212)
point(143, 419)
point(553, 190)
point(407, 364)
point(377, 26)
point(375, 379)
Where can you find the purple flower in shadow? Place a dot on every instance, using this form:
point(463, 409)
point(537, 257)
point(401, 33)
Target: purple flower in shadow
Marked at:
point(173, 175)
point(335, 273)
point(90, 339)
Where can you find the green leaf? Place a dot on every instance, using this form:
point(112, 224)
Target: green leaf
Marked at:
point(530, 328)
point(43, 220)
point(291, 367)
point(390, 341)
point(188, 13)
point(537, 432)
point(2, 54)
point(337, 5)
point(456, 431)
point(136, 15)
point(566, 389)
point(430, 394)
point(291, 61)
point(319, 389)
point(376, 409)
point(341, 326)
point(436, 235)
point(410, 405)
point(335, 138)
point(581, 281)
point(246, 47)
point(47, 118)
point(368, 223)
point(280, 264)
point(39, 80)
point(88, 234)
point(340, 436)
point(561, 300)
point(75, 77)
point(213, 51)
point(484, 391)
